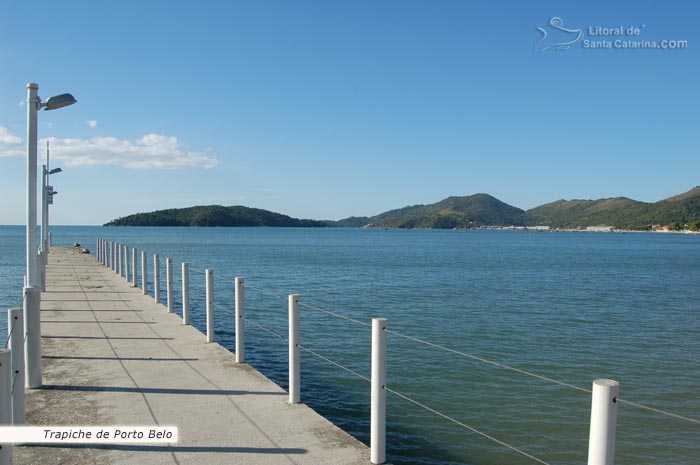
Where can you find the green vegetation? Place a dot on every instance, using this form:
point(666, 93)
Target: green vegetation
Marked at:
point(453, 212)
point(620, 212)
point(679, 212)
point(214, 215)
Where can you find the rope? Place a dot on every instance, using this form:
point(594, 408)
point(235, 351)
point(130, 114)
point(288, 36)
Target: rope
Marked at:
point(334, 314)
point(12, 328)
point(463, 425)
point(490, 362)
point(264, 328)
point(535, 375)
point(264, 292)
point(306, 349)
point(14, 381)
point(663, 412)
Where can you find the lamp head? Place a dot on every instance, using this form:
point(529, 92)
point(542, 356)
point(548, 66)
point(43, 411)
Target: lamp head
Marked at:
point(59, 101)
point(55, 170)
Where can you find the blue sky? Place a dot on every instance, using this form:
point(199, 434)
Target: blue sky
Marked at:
point(326, 109)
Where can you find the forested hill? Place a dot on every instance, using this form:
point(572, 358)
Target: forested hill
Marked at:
point(215, 215)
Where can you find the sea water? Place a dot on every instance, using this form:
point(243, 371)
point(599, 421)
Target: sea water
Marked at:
point(569, 306)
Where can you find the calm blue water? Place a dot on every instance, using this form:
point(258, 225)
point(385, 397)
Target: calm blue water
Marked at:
point(570, 306)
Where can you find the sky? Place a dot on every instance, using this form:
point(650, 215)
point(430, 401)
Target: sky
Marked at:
point(328, 109)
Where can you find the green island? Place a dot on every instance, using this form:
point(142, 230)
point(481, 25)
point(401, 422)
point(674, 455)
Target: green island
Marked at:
point(680, 212)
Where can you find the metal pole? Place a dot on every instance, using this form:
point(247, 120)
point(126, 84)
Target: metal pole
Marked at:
point(378, 408)
point(294, 358)
point(240, 321)
point(169, 283)
point(156, 278)
point(210, 304)
point(32, 291)
point(601, 442)
point(15, 325)
point(134, 256)
point(144, 272)
point(5, 402)
point(185, 294)
point(32, 107)
point(42, 241)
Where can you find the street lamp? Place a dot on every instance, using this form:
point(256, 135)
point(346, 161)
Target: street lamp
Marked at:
point(46, 200)
point(32, 289)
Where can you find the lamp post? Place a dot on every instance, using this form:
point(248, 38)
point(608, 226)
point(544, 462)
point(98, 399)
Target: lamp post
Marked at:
point(47, 194)
point(32, 289)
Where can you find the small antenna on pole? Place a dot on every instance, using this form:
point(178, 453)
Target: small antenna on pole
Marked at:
point(47, 155)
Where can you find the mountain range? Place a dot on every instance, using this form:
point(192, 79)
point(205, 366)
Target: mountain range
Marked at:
point(471, 211)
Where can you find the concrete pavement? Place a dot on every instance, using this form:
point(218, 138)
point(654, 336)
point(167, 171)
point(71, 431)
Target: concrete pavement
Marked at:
point(111, 356)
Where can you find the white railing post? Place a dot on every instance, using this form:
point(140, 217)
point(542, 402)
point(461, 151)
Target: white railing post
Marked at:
point(126, 263)
point(97, 249)
point(134, 255)
point(185, 293)
point(15, 328)
point(144, 272)
point(156, 278)
point(119, 260)
point(294, 358)
point(5, 402)
point(378, 399)
point(169, 283)
point(32, 337)
point(601, 442)
point(240, 321)
point(210, 304)
point(111, 255)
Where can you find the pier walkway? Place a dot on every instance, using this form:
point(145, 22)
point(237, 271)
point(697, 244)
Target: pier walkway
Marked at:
point(113, 357)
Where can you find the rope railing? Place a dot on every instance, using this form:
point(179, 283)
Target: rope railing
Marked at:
point(296, 346)
point(337, 315)
point(338, 365)
point(465, 426)
point(9, 333)
point(265, 292)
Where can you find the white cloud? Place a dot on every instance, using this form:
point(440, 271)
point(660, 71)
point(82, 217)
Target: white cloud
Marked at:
point(152, 151)
point(10, 145)
point(21, 103)
point(92, 124)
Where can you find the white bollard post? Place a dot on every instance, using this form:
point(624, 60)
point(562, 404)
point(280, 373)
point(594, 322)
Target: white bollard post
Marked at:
point(144, 272)
point(15, 328)
point(240, 321)
point(5, 402)
point(134, 255)
point(32, 337)
point(601, 442)
point(185, 293)
point(126, 263)
point(378, 399)
point(210, 304)
point(169, 283)
point(156, 278)
point(294, 358)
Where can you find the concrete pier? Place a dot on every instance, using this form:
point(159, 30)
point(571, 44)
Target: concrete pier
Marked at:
point(113, 357)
